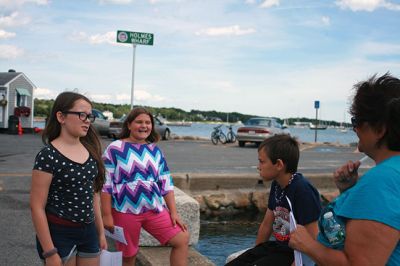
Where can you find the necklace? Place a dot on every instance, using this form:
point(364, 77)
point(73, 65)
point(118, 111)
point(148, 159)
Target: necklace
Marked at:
point(279, 192)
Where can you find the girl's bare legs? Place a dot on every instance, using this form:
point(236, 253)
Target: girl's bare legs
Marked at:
point(180, 249)
point(129, 261)
point(87, 261)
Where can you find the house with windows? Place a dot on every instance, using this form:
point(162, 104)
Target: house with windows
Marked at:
point(16, 99)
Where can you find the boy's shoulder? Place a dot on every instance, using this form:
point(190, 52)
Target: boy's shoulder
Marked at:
point(301, 183)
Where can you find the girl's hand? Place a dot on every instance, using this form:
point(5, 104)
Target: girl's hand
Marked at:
point(177, 220)
point(300, 239)
point(347, 175)
point(54, 260)
point(108, 223)
point(103, 242)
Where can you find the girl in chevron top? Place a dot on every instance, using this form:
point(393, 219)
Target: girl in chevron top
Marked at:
point(138, 191)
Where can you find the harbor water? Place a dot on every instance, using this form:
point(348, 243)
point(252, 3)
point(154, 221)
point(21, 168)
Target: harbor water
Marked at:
point(332, 135)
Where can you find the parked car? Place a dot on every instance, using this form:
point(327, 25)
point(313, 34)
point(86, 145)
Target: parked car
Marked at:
point(257, 129)
point(161, 128)
point(101, 123)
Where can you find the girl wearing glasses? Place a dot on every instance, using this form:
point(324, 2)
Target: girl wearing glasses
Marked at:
point(368, 208)
point(138, 191)
point(67, 177)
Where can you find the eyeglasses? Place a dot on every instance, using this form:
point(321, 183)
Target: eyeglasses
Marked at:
point(356, 122)
point(82, 115)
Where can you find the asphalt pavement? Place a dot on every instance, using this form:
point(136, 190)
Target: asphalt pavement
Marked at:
point(17, 153)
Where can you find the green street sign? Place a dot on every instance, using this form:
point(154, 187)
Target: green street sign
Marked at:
point(135, 37)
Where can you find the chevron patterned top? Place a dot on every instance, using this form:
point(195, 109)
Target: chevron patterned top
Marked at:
point(137, 177)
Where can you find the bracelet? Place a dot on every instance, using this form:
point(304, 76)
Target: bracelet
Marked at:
point(49, 253)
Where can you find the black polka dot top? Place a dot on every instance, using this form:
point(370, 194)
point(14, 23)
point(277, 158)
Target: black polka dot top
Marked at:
point(71, 189)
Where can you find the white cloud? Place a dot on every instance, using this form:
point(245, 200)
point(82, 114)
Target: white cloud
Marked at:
point(323, 21)
point(141, 96)
point(269, 3)
point(103, 98)
point(326, 20)
point(376, 48)
point(108, 37)
point(44, 93)
point(225, 31)
point(123, 97)
point(117, 2)
point(10, 52)
point(366, 5)
point(227, 87)
point(13, 20)
point(6, 35)
point(16, 3)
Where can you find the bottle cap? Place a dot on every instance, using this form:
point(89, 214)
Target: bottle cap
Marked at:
point(328, 215)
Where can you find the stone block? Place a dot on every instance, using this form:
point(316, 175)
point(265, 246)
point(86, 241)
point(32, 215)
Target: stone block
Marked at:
point(188, 210)
point(260, 200)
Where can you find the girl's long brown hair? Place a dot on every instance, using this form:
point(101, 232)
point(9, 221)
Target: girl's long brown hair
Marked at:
point(64, 102)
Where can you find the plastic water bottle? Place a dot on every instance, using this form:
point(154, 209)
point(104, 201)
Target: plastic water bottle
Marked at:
point(334, 231)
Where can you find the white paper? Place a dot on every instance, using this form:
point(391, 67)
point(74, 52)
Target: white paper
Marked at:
point(117, 235)
point(108, 258)
point(298, 260)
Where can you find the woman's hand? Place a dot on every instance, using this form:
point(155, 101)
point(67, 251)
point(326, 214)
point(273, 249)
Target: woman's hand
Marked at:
point(346, 176)
point(175, 219)
point(300, 239)
point(108, 222)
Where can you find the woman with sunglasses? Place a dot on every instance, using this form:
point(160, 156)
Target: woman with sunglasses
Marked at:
point(368, 207)
point(67, 177)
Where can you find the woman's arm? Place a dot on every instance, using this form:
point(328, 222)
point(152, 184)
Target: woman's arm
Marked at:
point(170, 201)
point(265, 229)
point(367, 243)
point(99, 221)
point(39, 192)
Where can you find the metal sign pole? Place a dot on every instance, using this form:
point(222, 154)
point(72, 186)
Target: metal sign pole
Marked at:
point(133, 74)
point(142, 38)
point(316, 125)
point(316, 106)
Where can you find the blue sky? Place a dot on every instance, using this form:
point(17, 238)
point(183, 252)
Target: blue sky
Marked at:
point(259, 57)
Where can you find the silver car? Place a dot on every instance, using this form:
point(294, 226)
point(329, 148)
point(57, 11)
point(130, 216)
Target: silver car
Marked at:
point(160, 127)
point(101, 123)
point(257, 129)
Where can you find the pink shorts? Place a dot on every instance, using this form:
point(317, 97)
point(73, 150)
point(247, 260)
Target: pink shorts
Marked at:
point(158, 225)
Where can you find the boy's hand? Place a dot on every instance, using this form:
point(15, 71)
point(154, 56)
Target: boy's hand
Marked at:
point(346, 176)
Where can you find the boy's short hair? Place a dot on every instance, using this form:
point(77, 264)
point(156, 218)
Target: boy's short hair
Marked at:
point(284, 147)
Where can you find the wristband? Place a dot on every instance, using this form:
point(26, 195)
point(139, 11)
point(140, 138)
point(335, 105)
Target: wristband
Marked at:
point(49, 253)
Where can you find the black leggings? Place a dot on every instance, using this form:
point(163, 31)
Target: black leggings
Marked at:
point(267, 253)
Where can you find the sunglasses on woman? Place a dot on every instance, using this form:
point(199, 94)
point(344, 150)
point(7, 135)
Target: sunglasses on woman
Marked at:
point(356, 122)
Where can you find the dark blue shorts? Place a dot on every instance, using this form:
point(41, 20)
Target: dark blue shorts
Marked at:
point(81, 241)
